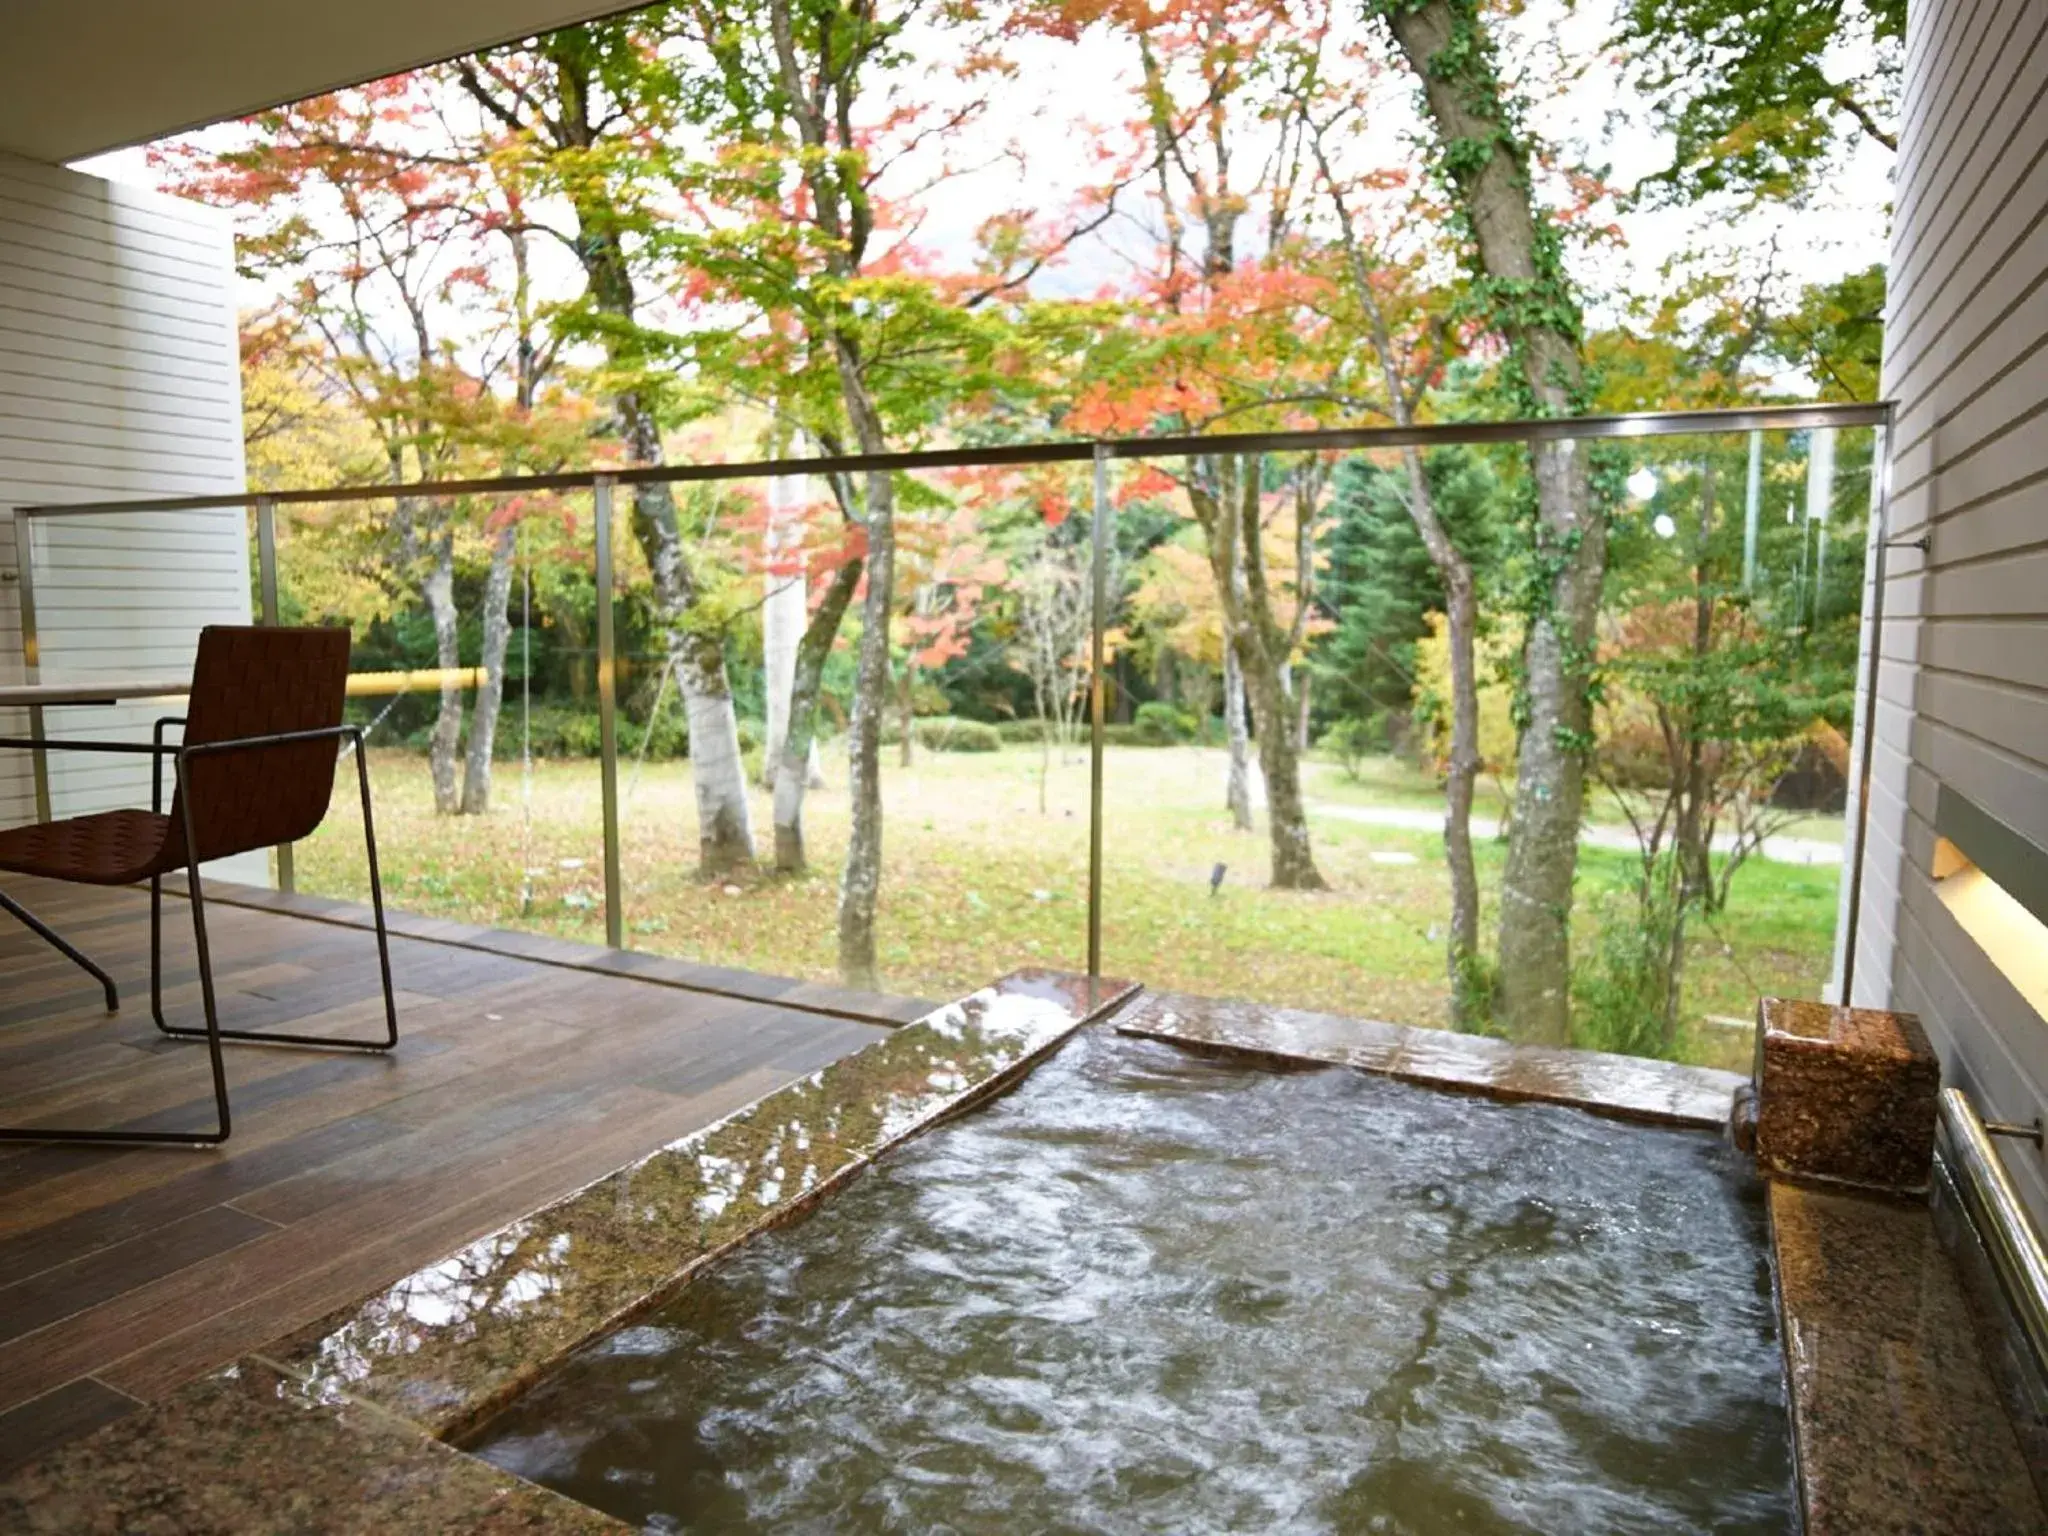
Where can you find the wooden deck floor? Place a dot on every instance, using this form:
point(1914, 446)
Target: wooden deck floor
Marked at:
point(124, 1272)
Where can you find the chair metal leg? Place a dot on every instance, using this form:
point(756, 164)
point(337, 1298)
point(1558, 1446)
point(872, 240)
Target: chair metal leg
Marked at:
point(376, 893)
point(135, 1138)
point(272, 1037)
point(156, 952)
point(213, 1034)
point(56, 941)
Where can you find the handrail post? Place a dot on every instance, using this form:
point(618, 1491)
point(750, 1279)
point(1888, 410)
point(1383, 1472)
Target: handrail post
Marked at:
point(1098, 620)
point(266, 560)
point(31, 653)
point(608, 716)
point(266, 590)
point(1863, 722)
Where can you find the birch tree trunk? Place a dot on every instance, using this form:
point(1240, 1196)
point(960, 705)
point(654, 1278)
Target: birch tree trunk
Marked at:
point(1485, 162)
point(563, 118)
point(1237, 784)
point(439, 589)
point(725, 829)
point(490, 692)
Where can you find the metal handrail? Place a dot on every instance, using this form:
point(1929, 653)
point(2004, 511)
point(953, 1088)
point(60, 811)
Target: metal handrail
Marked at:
point(603, 480)
point(2000, 1217)
point(1547, 429)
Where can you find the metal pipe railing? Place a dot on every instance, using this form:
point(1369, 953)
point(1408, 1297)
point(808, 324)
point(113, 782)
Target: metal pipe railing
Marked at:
point(602, 483)
point(2000, 1217)
point(1548, 429)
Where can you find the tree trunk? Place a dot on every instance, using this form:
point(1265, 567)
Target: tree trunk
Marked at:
point(490, 693)
point(1237, 788)
point(783, 616)
point(795, 766)
point(1294, 869)
point(1535, 309)
point(860, 883)
point(725, 830)
point(906, 710)
point(1695, 834)
point(439, 589)
point(1225, 494)
point(1461, 625)
point(1469, 1007)
point(725, 834)
point(1461, 953)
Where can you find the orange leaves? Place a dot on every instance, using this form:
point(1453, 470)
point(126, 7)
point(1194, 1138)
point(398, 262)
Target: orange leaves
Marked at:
point(1148, 483)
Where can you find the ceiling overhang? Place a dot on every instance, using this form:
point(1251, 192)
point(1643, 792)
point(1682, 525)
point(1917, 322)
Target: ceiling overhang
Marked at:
point(81, 76)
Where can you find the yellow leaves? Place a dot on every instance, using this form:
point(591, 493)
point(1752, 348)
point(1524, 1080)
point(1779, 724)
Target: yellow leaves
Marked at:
point(1496, 650)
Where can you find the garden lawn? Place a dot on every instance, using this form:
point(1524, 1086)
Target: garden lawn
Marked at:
point(978, 880)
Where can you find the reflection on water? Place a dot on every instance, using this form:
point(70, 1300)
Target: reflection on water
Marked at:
point(1152, 1292)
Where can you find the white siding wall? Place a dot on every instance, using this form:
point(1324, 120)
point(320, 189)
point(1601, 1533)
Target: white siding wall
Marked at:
point(1963, 694)
point(119, 376)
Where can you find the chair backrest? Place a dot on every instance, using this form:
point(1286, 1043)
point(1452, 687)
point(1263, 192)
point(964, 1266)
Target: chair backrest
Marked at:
point(260, 682)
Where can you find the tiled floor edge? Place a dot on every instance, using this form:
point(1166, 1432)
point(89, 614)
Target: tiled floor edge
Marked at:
point(658, 970)
point(352, 1351)
point(1592, 1103)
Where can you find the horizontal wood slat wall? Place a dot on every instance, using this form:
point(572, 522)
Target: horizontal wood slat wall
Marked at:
point(1964, 697)
point(119, 374)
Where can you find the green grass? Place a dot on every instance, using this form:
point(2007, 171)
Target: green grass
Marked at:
point(977, 880)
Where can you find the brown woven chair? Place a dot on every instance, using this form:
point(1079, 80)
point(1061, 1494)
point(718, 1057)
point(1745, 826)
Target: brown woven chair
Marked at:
point(255, 770)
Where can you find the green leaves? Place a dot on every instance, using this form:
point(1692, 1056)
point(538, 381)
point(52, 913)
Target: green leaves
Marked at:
point(1761, 96)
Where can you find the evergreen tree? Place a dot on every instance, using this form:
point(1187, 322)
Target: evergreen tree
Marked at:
point(1379, 585)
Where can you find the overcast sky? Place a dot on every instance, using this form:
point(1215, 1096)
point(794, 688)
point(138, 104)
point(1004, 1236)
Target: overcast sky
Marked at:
point(1060, 89)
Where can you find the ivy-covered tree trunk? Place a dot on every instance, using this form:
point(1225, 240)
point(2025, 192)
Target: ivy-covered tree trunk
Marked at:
point(1528, 301)
point(490, 692)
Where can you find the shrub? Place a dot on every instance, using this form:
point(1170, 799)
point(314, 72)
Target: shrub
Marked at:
point(944, 733)
point(1351, 741)
point(1622, 993)
point(1161, 724)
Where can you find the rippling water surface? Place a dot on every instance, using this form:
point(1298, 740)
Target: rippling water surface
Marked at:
point(1151, 1292)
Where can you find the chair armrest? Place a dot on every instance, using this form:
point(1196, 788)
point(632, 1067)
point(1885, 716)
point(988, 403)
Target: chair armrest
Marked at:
point(281, 738)
point(156, 772)
point(53, 744)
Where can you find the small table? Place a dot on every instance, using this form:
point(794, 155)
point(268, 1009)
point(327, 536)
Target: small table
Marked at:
point(59, 693)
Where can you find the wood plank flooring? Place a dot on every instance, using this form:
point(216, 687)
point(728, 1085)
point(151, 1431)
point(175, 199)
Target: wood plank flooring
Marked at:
point(124, 1272)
